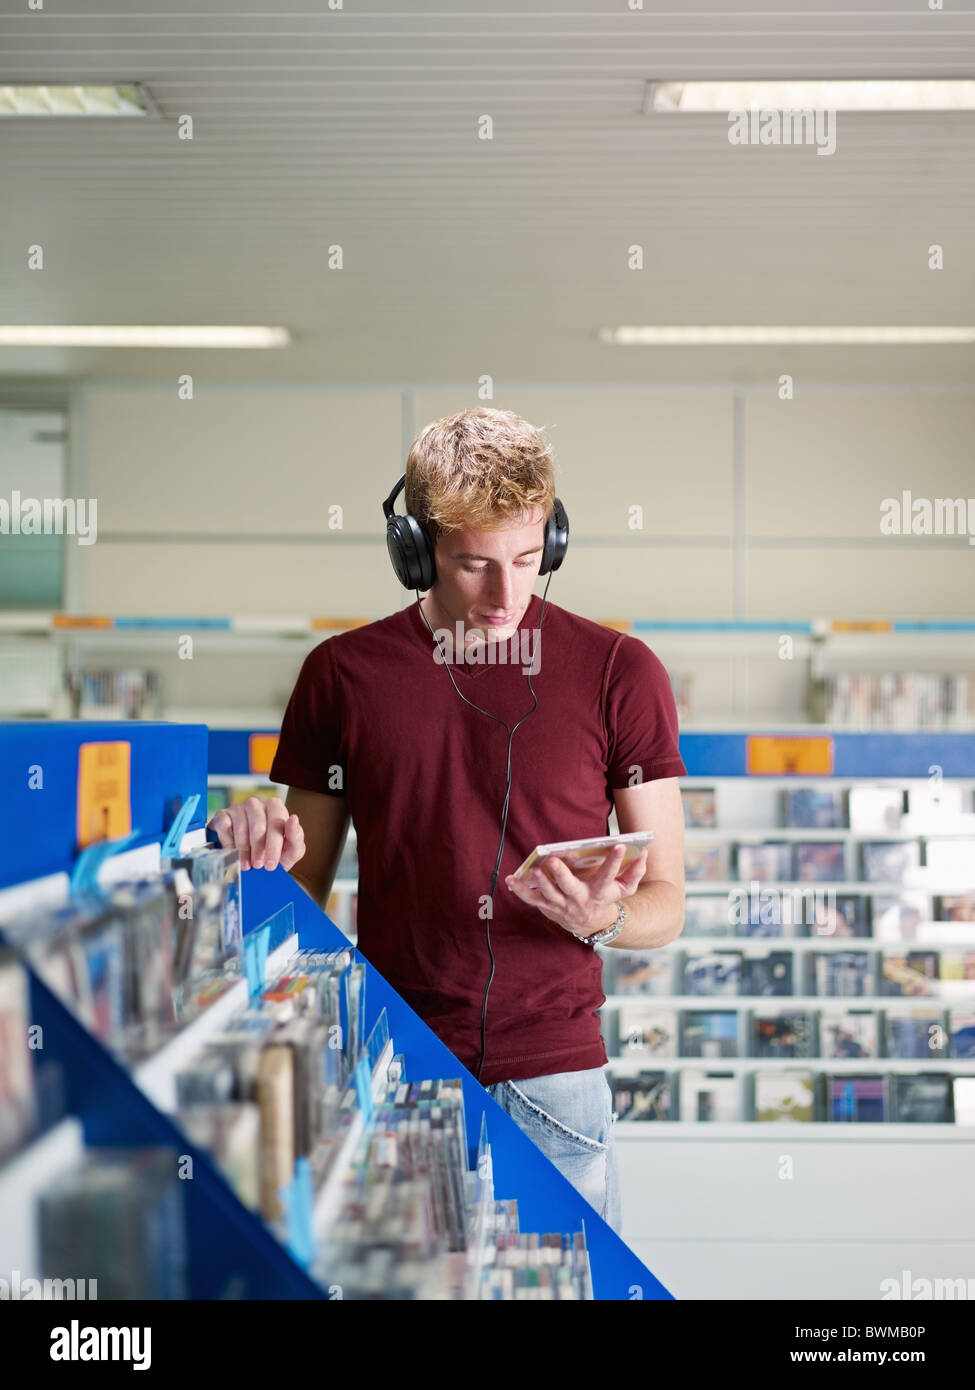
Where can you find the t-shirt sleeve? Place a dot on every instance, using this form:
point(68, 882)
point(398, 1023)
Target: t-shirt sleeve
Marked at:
point(308, 753)
point(641, 717)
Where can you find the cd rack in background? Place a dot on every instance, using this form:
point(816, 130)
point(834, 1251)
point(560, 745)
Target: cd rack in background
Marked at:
point(825, 975)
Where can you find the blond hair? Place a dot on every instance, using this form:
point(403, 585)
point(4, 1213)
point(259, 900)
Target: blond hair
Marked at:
point(479, 469)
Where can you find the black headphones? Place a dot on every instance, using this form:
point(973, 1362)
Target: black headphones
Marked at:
point(412, 554)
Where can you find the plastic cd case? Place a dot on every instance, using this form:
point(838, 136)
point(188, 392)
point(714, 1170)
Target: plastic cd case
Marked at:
point(849, 1033)
point(16, 1072)
point(644, 1096)
point(641, 972)
point(710, 1096)
point(700, 807)
point(768, 862)
point(785, 1096)
point(585, 857)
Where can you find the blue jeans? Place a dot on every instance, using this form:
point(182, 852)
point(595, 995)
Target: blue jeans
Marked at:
point(569, 1116)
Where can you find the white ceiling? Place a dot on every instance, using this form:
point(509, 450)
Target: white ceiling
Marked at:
point(461, 256)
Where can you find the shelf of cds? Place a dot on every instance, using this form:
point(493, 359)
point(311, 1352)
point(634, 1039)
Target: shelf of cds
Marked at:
point(207, 1093)
point(825, 975)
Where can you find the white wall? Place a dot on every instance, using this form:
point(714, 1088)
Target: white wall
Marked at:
point(221, 504)
point(803, 479)
point(753, 507)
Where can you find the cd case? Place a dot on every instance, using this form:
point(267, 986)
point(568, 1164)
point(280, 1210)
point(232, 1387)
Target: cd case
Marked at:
point(585, 857)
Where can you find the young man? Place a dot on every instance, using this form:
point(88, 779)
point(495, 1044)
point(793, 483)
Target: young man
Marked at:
point(437, 779)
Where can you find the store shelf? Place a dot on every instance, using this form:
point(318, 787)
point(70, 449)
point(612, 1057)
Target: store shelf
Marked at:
point(156, 1077)
point(936, 887)
point(245, 779)
point(881, 757)
point(746, 807)
point(814, 1131)
point(871, 778)
point(721, 723)
point(49, 891)
point(789, 1001)
point(810, 943)
point(128, 642)
point(263, 719)
point(23, 1179)
point(27, 621)
point(957, 1066)
point(53, 890)
point(328, 1200)
point(745, 835)
point(841, 632)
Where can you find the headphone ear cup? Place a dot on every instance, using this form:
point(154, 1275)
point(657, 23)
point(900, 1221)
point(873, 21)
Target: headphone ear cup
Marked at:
point(556, 539)
point(410, 552)
point(397, 554)
point(425, 562)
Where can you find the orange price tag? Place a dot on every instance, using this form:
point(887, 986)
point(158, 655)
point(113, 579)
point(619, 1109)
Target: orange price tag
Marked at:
point(261, 749)
point(80, 620)
point(805, 756)
point(842, 625)
point(104, 792)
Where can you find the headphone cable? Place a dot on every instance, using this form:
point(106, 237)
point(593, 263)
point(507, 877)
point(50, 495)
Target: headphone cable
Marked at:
point(536, 652)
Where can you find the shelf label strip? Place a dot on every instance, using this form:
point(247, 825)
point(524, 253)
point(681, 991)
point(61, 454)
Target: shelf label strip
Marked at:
point(768, 756)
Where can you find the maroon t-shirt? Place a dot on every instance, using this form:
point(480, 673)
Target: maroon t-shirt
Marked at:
point(374, 717)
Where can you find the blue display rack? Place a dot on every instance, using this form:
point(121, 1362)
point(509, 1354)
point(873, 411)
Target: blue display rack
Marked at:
point(39, 781)
point(725, 754)
point(855, 755)
point(231, 1252)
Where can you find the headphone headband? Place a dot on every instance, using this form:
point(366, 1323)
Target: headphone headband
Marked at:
point(388, 504)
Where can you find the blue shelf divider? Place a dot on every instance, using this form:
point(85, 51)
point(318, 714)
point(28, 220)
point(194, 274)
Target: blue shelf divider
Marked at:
point(855, 754)
point(39, 780)
point(867, 754)
point(231, 1250)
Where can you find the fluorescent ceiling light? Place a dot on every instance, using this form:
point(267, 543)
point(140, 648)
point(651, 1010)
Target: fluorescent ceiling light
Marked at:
point(130, 99)
point(759, 335)
point(953, 94)
point(136, 335)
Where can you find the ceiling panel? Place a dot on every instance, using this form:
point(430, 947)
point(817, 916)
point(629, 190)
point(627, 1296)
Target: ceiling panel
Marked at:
point(358, 127)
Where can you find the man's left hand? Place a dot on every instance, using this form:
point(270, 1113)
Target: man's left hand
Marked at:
point(583, 906)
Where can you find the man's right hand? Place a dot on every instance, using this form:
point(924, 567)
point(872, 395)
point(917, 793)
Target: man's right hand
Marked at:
point(263, 831)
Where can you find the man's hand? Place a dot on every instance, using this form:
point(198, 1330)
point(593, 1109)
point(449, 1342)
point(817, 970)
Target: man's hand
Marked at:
point(583, 906)
point(263, 832)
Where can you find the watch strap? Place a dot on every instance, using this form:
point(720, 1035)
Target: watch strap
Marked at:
point(601, 938)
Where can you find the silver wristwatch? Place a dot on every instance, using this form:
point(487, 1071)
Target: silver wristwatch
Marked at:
point(610, 934)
